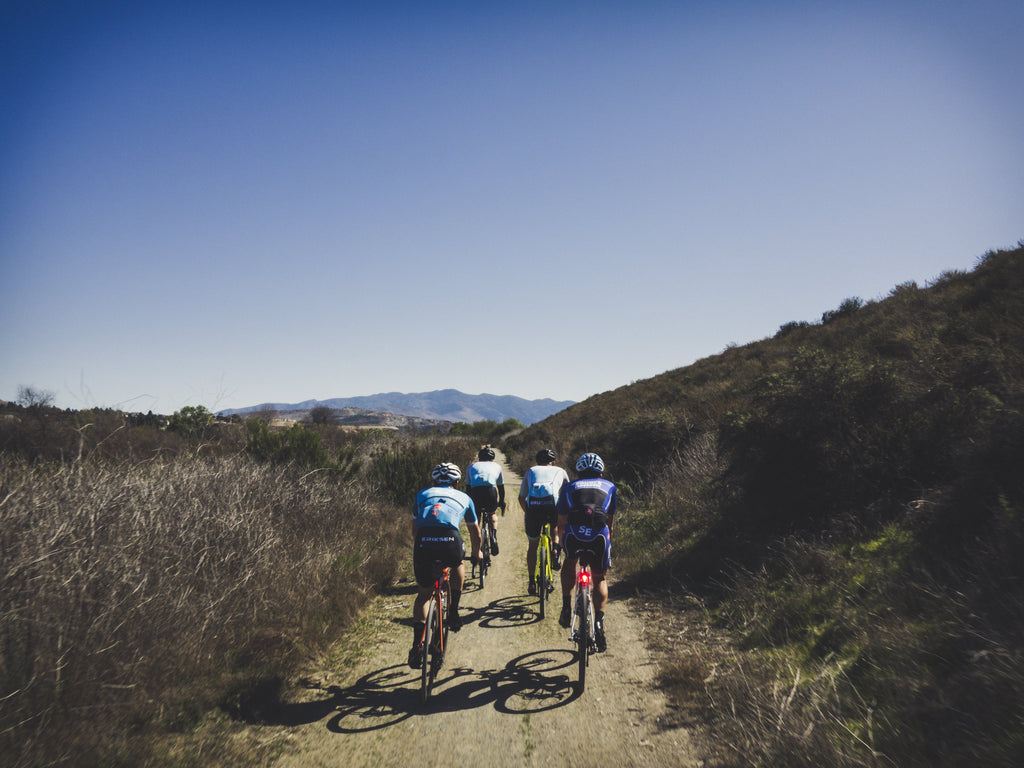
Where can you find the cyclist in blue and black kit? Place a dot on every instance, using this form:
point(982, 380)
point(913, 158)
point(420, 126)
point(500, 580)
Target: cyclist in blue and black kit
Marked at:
point(439, 512)
point(586, 515)
point(485, 485)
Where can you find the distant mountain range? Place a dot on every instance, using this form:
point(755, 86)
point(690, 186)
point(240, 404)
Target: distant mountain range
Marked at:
point(440, 405)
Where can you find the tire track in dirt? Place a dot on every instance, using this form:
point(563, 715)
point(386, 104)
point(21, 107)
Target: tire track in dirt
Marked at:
point(507, 694)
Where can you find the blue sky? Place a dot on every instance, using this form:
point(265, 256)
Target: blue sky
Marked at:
point(226, 204)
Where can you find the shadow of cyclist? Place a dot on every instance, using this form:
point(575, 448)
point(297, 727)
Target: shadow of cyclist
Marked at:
point(534, 682)
point(506, 613)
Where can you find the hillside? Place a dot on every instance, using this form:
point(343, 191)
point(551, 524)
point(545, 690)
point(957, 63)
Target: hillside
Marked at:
point(846, 501)
point(442, 405)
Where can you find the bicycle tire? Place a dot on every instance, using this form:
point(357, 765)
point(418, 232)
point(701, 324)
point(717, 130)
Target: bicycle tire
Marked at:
point(485, 552)
point(583, 638)
point(444, 623)
point(429, 641)
point(543, 566)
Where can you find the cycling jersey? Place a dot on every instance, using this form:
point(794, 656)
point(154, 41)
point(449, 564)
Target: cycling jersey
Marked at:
point(443, 506)
point(587, 504)
point(542, 483)
point(484, 473)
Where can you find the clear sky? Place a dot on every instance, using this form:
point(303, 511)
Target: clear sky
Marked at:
point(230, 203)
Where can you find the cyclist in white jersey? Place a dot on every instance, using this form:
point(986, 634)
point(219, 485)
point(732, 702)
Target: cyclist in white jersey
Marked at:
point(538, 496)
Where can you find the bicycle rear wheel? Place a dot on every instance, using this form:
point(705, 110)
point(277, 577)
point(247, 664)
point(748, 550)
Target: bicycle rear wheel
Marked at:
point(430, 652)
point(583, 634)
point(485, 552)
point(543, 566)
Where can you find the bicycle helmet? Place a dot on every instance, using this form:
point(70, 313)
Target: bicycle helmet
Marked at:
point(545, 455)
point(486, 454)
point(590, 462)
point(446, 473)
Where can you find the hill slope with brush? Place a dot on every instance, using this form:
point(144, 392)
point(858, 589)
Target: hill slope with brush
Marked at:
point(846, 500)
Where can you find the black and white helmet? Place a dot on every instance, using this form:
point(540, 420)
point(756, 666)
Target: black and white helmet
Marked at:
point(446, 473)
point(545, 456)
point(590, 462)
point(486, 453)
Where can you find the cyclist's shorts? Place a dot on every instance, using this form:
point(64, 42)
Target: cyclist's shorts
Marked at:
point(599, 546)
point(535, 517)
point(485, 498)
point(435, 543)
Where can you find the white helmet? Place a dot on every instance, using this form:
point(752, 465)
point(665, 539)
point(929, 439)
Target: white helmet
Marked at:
point(446, 473)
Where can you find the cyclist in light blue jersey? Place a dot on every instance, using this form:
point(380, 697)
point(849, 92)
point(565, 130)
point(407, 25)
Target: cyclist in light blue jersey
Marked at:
point(485, 485)
point(538, 496)
point(439, 512)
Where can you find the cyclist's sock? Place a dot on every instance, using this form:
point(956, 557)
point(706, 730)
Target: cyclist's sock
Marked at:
point(454, 605)
point(417, 631)
point(600, 640)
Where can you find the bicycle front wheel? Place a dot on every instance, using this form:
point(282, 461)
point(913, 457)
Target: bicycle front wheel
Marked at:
point(431, 638)
point(544, 568)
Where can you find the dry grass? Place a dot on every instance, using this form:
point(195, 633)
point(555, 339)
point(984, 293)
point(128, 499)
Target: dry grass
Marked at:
point(135, 596)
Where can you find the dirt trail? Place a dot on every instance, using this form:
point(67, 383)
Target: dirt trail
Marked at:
point(507, 694)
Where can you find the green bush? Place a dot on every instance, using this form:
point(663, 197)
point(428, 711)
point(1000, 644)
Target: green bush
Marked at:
point(295, 445)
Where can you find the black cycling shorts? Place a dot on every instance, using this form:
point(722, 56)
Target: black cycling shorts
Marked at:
point(435, 543)
point(600, 548)
point(485, 498)
point(535, 517)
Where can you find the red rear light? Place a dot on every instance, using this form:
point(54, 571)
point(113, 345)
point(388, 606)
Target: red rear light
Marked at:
point(584, 579)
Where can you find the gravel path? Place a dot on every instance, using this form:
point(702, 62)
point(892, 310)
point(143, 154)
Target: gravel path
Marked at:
point(506, 696)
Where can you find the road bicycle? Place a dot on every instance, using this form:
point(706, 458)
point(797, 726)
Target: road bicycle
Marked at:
point(435, 632)
point(581, 632)
point(543, 575)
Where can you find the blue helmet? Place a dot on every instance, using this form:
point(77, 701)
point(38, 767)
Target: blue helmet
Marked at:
point(590, 462)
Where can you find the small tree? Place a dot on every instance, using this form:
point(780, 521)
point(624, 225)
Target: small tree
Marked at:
point(34, 398)
point(322, 415)
point(190, 421)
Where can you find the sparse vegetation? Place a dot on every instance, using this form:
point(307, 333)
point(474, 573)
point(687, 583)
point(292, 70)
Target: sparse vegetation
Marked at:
point(487, 429)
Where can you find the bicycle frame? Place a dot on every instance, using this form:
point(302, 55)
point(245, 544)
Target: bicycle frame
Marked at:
point(435, 632)
point(543, 575)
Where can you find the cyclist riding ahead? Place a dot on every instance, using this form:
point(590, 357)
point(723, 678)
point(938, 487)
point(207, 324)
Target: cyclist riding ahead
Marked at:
point(439, 511)
point(538, 496)
point(485, 485)
point(586, 514)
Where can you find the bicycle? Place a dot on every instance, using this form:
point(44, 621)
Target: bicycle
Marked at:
point(544, 576)
point(582, 629)
point(480, 569)
point(435, 632)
